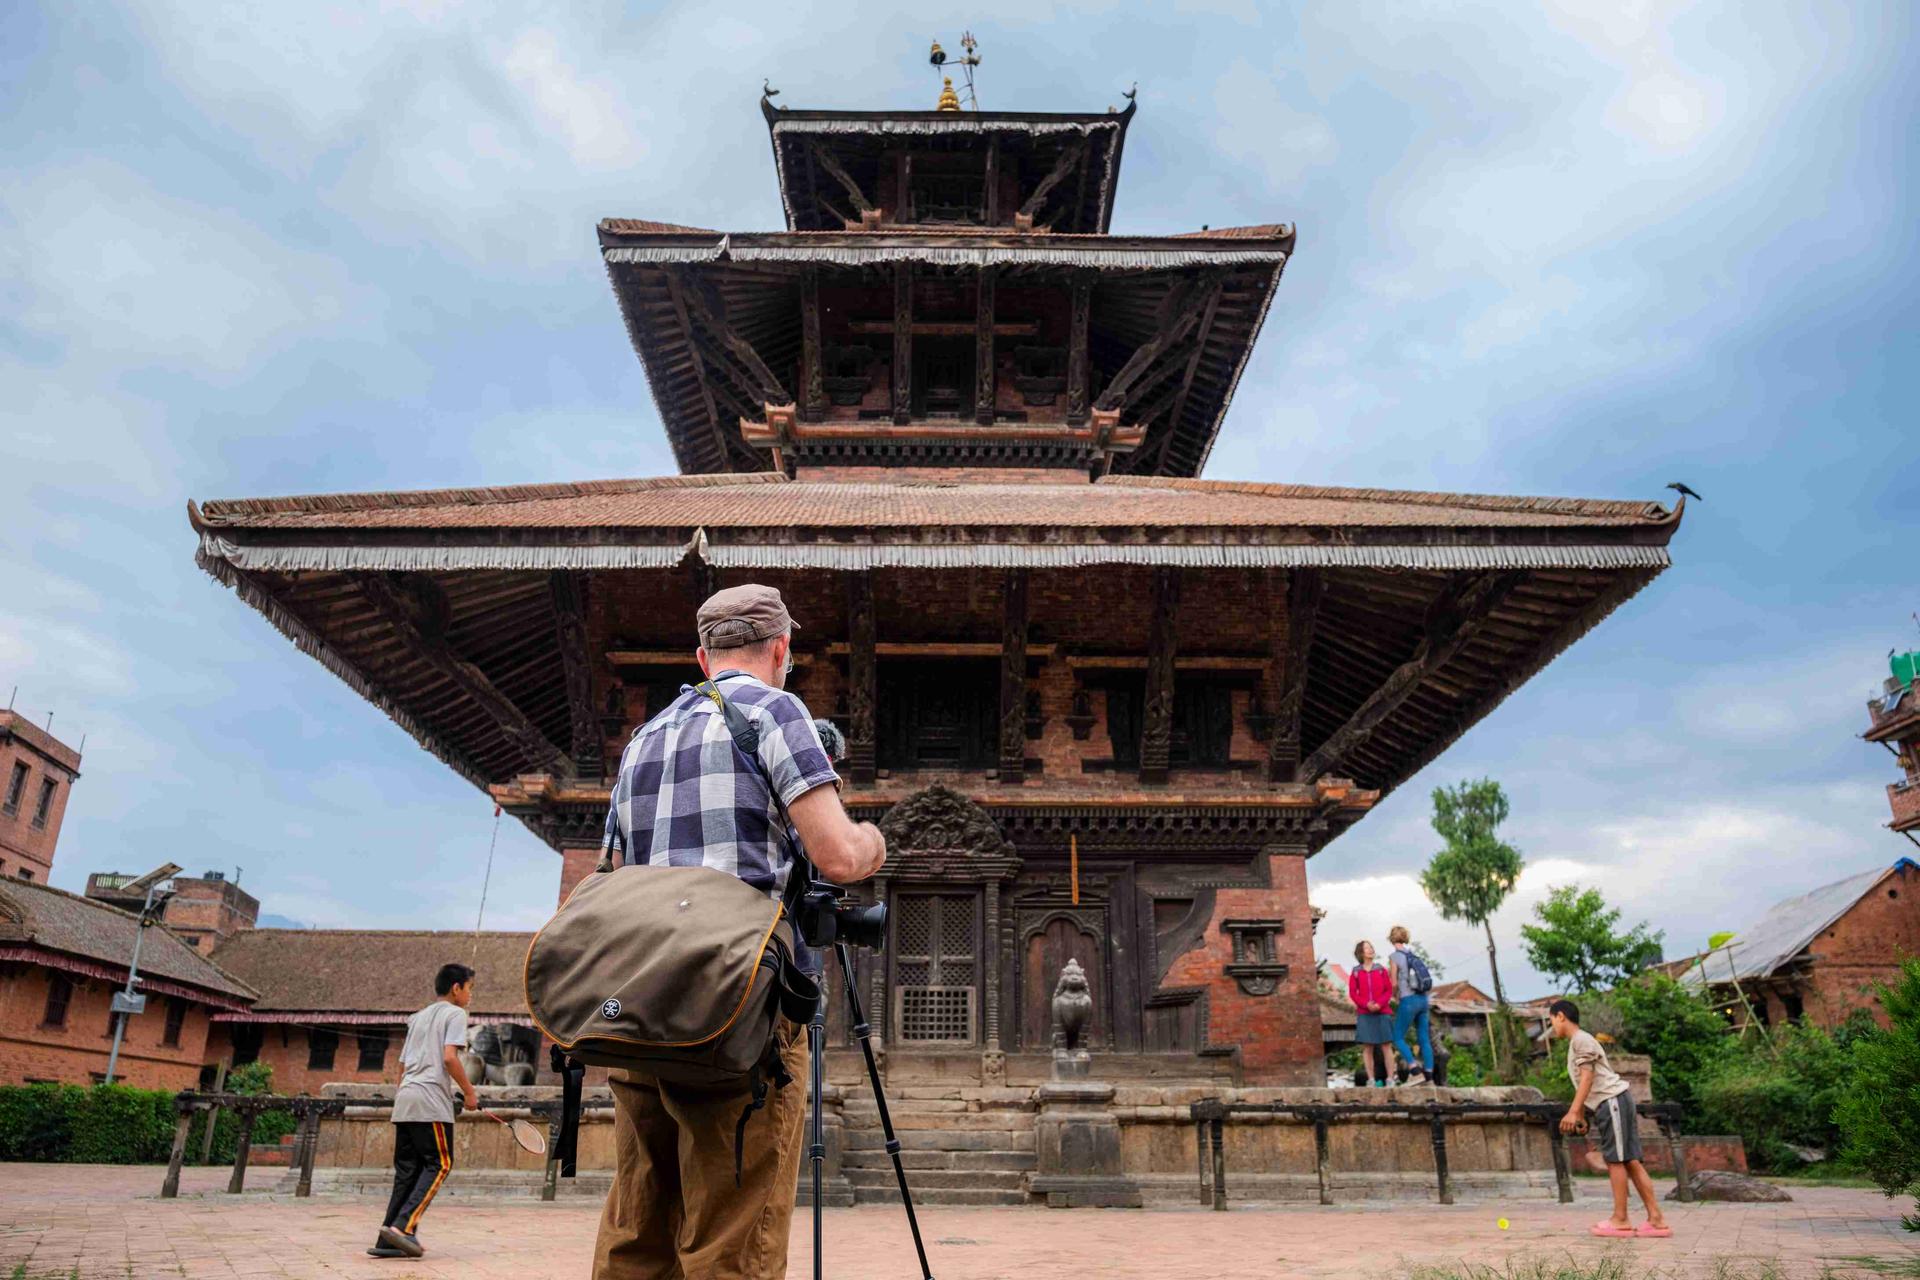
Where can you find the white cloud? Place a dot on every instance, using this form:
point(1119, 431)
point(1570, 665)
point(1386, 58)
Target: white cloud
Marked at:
point(111, 268)
point(1260, 125)
point(586, 112)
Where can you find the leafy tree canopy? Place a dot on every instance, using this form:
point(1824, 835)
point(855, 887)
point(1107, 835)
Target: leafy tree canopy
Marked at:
point(1577, 943)
point(1472, 876)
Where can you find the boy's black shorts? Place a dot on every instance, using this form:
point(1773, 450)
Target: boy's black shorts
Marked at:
point(1613, 1129)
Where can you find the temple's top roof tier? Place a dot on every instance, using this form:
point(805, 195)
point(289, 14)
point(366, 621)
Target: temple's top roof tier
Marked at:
point(842, 170)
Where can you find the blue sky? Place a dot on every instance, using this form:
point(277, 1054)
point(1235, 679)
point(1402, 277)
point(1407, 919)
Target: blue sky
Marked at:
point(1580, 249)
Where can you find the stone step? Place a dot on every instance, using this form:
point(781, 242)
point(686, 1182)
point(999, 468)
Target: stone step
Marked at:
point(942, 1179)
point(943, 1139)
point(877, 1158)
point(944, 1196)
point(952, 1121)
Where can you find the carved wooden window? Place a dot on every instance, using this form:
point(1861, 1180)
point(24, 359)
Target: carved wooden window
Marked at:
point(942, 377)
point(938, 713)
point(948, 197)
point(1202, 730)
point(936, 967)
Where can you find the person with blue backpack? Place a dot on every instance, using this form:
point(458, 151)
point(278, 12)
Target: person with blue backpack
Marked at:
point(1412, 980)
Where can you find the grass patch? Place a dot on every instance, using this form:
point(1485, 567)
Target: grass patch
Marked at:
point(1623, 1265)
point(1876, 1266)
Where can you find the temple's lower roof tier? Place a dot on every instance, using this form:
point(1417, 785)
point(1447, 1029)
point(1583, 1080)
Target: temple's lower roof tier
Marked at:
point(1191, 640)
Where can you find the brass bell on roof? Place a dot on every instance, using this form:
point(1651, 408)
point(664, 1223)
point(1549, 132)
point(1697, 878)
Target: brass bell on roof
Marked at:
point(949, 100)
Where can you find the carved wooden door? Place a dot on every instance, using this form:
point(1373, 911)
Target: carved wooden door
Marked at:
point(1048, 950)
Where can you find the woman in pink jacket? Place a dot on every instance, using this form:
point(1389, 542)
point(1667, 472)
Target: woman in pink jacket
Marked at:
point(1370, 987)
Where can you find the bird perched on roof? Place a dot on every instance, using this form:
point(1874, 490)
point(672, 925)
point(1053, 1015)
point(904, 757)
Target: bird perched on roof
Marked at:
point(1685, 492)
point(1128, 95)
point(767, 90)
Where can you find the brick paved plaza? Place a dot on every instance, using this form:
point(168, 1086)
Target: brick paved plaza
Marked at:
point(92, 1221)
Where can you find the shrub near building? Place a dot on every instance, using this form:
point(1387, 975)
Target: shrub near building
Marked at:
point(115, 1124)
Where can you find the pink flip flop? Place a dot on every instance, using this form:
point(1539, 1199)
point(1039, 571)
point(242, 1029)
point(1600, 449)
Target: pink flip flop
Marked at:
point(1607, 1227)
point(1652, 1232)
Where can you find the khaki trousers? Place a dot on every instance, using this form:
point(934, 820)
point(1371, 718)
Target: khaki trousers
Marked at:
point(674, 1212)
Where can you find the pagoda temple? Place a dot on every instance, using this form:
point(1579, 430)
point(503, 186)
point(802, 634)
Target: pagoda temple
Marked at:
point(1104, 709)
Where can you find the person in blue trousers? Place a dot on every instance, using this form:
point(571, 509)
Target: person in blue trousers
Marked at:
point(1412, 980)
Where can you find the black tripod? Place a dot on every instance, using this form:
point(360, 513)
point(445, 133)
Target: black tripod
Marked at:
point(817, 1047)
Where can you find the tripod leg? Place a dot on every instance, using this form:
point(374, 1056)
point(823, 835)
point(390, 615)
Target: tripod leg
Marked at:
point(864, 1034)
point(816, 1050)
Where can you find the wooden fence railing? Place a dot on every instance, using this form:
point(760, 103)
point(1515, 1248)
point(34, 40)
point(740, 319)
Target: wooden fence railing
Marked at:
point(1210, 1117)
point(306, 1110)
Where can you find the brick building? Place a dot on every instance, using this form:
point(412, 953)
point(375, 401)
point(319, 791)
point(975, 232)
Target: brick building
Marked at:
point(200, 911)
point(1821, 955)
point(62, 957)
point(37, 770)
point(332, 1004)
point(1104, 709)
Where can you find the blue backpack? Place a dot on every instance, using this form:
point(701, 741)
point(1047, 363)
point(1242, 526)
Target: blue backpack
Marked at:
point(1419, 979)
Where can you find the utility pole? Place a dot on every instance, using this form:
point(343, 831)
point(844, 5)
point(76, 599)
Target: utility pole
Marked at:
point(126, 1003)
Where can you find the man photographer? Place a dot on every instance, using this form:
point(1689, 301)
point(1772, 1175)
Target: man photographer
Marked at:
point(686, 796)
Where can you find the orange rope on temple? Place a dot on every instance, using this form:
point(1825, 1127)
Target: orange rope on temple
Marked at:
point(1073, 864)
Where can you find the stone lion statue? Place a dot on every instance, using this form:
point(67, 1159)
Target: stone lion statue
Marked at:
point(500, 1055)
point(1072, 1009)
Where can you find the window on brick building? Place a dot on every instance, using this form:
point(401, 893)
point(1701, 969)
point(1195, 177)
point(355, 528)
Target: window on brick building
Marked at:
point(16, 786)
point(25, 873)
point(176, 1019)
point(45, 805)
point(321, 1046)
point(373, 1051)
point(59, 993)
point(246, 1043)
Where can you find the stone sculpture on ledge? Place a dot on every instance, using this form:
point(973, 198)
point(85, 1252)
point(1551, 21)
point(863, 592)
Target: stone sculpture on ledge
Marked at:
point(1077, 1137)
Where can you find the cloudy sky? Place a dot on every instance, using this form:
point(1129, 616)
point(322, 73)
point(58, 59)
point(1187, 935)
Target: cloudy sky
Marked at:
point(1581, 249)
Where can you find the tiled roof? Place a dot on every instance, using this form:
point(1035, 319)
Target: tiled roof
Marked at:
point(762, 501)
point(1790, 927)
point(45, 918)
point(372, 970)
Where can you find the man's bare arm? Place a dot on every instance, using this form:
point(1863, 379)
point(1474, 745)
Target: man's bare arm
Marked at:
point(1576, 1110)
point(842, 850)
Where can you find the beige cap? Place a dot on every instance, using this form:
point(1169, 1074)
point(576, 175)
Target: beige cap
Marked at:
point(742, 615)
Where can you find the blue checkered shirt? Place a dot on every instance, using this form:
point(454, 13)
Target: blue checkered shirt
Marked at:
point(686, 797)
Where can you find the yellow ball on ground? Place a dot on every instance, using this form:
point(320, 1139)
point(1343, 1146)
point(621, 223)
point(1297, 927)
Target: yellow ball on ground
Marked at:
point(1502, 1224)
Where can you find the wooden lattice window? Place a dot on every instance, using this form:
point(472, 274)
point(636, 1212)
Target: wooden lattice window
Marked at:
point(936, 968)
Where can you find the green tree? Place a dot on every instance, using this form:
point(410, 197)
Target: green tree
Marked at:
point(1472, 876)
point(1677, 1027)
point(1879, 1117)
point(1575, 942)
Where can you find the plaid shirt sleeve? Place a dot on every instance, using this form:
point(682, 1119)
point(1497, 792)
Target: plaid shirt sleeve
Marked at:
point(790, 748)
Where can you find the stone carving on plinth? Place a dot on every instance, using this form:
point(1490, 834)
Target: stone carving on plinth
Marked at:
point(1077, 1136)
point(1072, 1014)
point(501, 1054)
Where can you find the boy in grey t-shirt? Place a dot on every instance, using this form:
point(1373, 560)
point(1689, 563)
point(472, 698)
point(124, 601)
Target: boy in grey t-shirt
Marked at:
point(1602, 1108)
point(423, 1110)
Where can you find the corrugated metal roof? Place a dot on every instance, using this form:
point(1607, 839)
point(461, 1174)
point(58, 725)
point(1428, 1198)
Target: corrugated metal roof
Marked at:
point(1787, 929)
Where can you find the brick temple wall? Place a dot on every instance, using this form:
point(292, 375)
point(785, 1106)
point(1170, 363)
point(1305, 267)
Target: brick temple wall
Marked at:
point(1279, 1035)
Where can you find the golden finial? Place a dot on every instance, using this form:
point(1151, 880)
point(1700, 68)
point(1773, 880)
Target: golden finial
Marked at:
point(949, 100)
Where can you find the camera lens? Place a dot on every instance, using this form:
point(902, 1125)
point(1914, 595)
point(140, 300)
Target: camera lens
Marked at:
point(862, 926)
